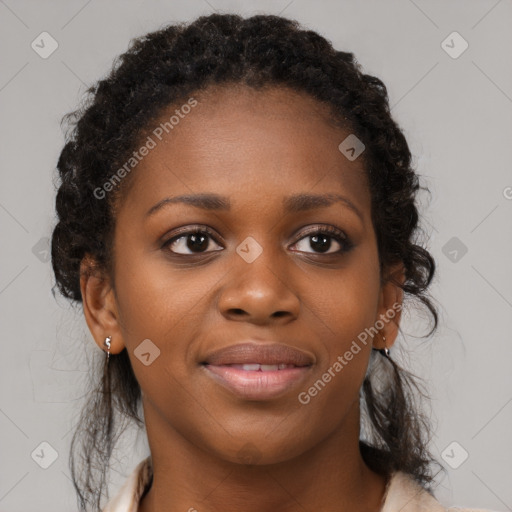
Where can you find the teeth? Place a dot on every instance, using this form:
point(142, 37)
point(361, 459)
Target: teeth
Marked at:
point(251, 367)
point(269, 367)
point(254, 367)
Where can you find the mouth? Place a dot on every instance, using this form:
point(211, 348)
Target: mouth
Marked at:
point(258, 371)
point(258, 367)
point(257, 381)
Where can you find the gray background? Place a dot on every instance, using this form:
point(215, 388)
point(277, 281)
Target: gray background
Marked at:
point(456, 114)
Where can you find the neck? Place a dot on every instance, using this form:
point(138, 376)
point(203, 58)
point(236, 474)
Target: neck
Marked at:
point(331, 476)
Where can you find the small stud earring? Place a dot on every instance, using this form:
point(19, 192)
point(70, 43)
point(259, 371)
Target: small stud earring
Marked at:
point(106, 343)
point(384, 351)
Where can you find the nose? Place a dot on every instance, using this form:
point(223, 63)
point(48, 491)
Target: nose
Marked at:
point(259, 293)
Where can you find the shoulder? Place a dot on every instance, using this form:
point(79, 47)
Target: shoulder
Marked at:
point(405, 494)
point(128, 496)
point(457, 509)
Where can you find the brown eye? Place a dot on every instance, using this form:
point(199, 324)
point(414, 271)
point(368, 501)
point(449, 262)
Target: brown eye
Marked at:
point(320, 241)
point(195, 241)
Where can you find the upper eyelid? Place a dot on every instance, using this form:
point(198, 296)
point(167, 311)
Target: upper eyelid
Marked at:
point(211, 231)
point(330, 230)
point(309, 230)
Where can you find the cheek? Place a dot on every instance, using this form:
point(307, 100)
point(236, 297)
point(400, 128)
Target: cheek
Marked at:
point(166, 305)
point(343, 308)
point(152, 299)
point(342, 314)
point(345, 302)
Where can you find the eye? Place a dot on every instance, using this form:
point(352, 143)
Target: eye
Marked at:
point(320, 240)
point(197, 240)
point(191, 241)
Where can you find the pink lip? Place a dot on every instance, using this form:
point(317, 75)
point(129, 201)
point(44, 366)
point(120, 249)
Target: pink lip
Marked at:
point(257, 384)
point(262, 353)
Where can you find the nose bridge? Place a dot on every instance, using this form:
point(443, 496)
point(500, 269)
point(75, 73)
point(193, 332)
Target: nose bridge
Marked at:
point(257, 284)
point(259, 264)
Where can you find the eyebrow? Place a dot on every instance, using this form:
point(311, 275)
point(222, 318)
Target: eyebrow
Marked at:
point(292, 204)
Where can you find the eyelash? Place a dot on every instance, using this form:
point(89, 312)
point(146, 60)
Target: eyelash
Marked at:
point(332, 232)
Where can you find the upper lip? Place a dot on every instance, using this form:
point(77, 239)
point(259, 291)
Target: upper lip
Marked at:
point(268, 353)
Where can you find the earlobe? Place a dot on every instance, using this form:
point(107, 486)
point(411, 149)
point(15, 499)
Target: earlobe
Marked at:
point(99, 306)
point(390, 307)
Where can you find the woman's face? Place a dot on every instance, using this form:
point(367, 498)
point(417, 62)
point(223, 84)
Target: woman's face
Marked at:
point(260, 275)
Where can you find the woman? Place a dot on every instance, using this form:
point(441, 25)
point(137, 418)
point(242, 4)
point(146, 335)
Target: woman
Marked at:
point(237, 217)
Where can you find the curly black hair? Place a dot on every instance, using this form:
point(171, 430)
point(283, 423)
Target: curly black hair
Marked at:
point(165, 67)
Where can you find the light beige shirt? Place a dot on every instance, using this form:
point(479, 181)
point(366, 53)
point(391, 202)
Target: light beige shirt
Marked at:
point(403, 494)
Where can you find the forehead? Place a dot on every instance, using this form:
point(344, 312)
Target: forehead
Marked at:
point(239, 139)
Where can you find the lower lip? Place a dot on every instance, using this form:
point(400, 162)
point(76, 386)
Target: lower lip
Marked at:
point(257, 385)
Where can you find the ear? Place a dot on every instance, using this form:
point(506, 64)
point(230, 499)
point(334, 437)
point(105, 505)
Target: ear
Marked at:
point(100, 305)
point(390, 305)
